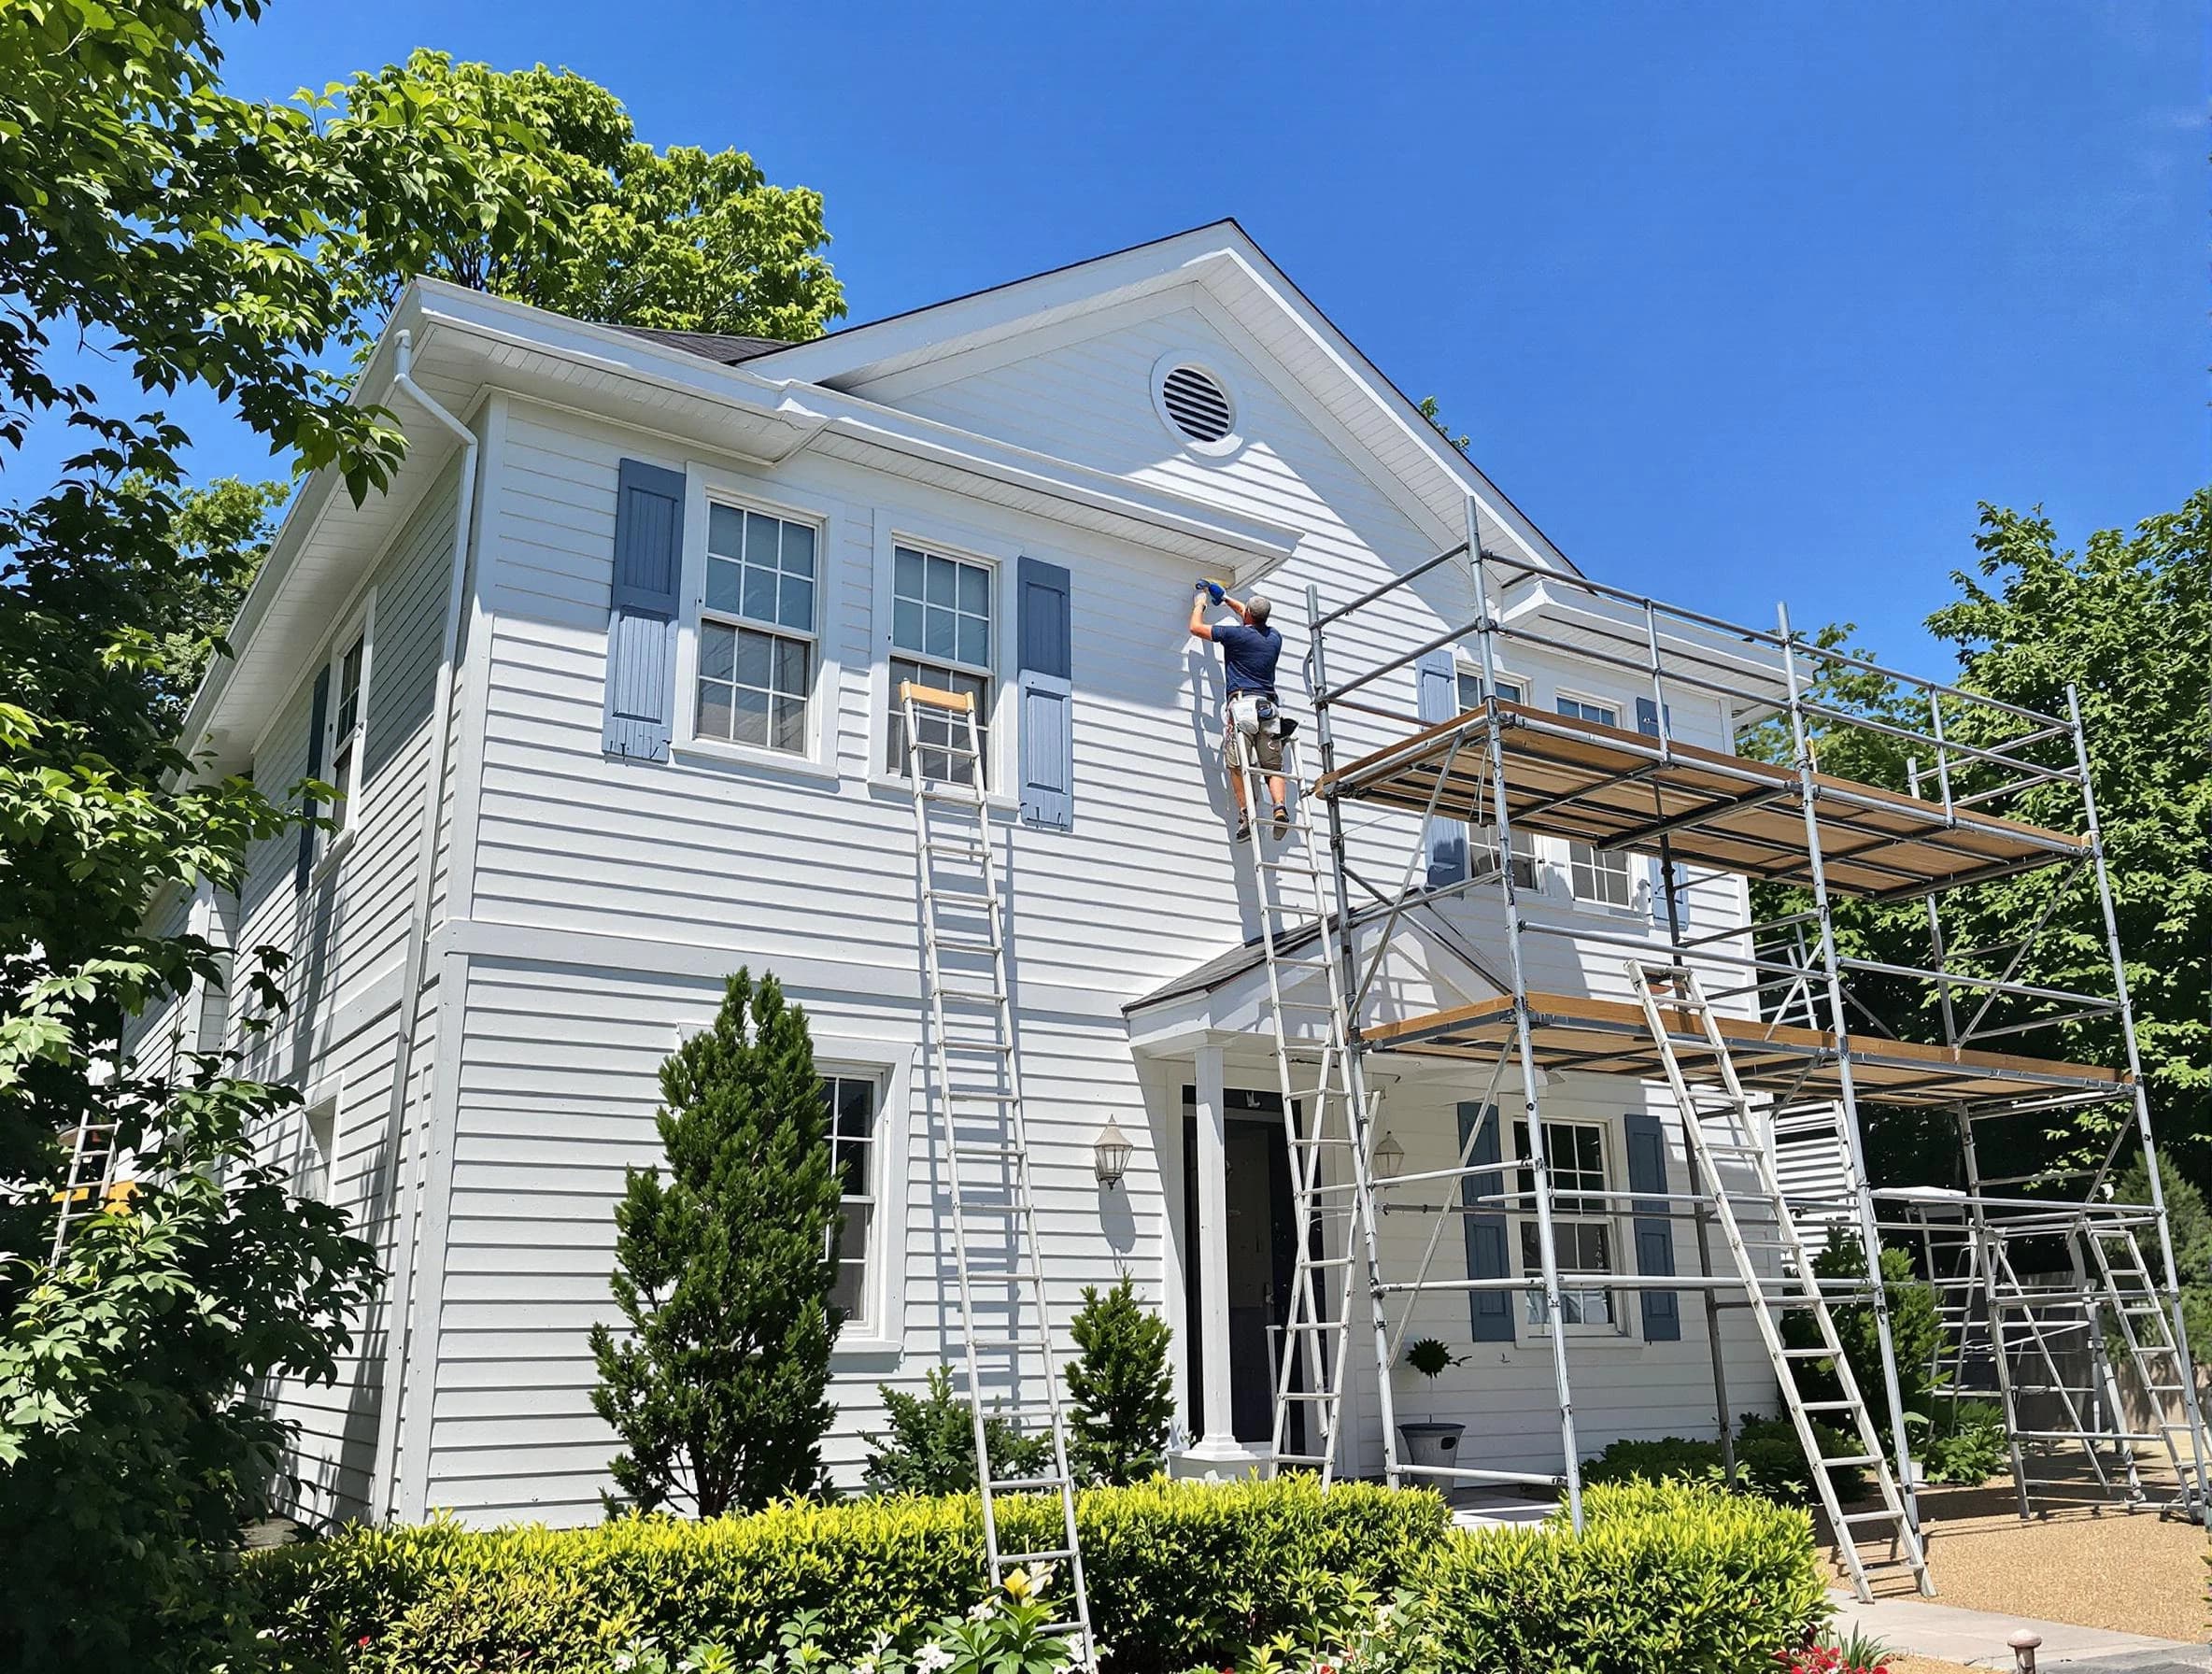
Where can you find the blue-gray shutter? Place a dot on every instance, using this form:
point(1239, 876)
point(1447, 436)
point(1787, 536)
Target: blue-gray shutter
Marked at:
point(642, 625)
point(319, 711)
point(1488, 1256)
point(1647, 722)
point(1654, 1232)
point(1048, 695)
point(1437, 679)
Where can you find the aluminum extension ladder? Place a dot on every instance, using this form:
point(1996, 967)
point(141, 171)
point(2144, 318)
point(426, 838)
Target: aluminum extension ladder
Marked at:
point(1299, 938)
point(1724, 1131)
point(1005, 1318)
point(91, 1181)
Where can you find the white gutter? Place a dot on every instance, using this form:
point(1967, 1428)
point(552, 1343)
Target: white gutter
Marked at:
point(400, 1310)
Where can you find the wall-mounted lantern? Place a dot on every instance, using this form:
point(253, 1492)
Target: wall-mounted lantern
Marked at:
point(1390, 1157)
point(1110, 1154)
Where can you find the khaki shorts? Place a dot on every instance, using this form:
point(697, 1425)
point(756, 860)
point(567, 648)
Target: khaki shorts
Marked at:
point(1266, 744)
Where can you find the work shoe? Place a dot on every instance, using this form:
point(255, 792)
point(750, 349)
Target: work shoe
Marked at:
point(1243, 827)
point(1282, 822)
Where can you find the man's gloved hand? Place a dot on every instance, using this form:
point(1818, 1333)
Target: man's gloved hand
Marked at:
point(1215, 592)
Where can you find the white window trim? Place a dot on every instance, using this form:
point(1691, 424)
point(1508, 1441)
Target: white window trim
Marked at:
point(325, 1095)
point(891, 1063)
point(705, 485)
point(1002, 557)
point(331, 846)
point(1624, 1327)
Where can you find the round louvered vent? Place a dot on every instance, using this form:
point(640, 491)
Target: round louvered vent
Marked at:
point(1196, 405)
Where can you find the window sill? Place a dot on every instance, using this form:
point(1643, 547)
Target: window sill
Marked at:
point(715, 752)
point(998, 803)
point(848, 1348)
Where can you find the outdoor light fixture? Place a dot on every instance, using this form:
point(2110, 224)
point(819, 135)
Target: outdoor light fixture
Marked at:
point(1110, 1154)
point(1390, 1156)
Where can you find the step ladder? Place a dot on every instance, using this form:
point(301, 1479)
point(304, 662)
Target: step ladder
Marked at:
point(1326, 1118)
point(1722, 1135)
point(2139, 1309)
point(90, 1184)
point(1005, 1318)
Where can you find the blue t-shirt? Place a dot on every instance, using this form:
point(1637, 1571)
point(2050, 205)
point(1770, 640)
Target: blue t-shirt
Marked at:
point(1251, 653)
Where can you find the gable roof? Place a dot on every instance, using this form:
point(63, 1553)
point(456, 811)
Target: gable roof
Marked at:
point(1368, 410)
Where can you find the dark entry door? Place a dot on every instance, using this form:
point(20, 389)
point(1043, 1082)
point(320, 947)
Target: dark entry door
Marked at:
point(1262, 1243)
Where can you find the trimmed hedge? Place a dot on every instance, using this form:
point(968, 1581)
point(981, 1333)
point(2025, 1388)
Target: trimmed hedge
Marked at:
point(1179, 1573)
point(1769, 1461)
point(1666, 1576)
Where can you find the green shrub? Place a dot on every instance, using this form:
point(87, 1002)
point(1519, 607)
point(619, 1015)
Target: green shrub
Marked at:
point(1968, 1446)
point(1179, 1573)
point(1665, 1576)
point(1915, 1331)
point(931, 1445)
point(1769, 1461)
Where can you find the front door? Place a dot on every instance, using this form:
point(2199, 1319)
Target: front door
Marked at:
point(1262, 1243)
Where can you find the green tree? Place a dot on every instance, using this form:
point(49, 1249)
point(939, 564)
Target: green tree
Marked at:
point(190, 237)
point(1121, 1394)
point(723, 1269)
point(607, 228)
point(2127, 619)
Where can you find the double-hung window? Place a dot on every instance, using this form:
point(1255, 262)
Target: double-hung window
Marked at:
point(346, 725)
point(1595, 874)
point(1481, 840)
point(852, 1102)
point(941, 636)
point(1581, 1222)
point(756, 629)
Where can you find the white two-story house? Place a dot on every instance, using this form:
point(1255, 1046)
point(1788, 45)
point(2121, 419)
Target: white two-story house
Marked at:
point(607, 679)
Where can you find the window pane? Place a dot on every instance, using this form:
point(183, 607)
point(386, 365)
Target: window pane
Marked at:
point(762, 534)
point(798, 609)
point(975, 590)
point(944, 583)
point(799, 549)
point(753, 657)
point(1510, 692)
point(760, 594)
point(722, 591)
point(906, 624)
point(906, 573)
point(750, 722)
point(938, 634)
point(717, 652)
point(714, 709)
point(791, 667)
point(789, 719)
point(725, 529)
point(974, 640)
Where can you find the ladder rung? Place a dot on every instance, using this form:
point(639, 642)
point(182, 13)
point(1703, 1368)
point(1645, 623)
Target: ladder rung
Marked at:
point(1882, 1517)
point(1851, 1461)
point(1025, 1484)
point(1057, 1555)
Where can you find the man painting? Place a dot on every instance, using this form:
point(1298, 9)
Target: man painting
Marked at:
point(1249, 724)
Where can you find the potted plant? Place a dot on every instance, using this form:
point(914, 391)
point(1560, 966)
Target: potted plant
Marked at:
point(1427, 1441)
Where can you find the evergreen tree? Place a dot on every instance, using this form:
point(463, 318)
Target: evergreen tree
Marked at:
point(723, 1265)
point(1122, 1394)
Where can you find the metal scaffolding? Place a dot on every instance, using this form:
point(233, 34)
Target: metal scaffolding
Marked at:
point(1776, 1039)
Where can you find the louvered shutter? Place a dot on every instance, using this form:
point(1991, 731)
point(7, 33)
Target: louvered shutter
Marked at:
point(1654, 1232)
point(1488, 1255)
point(641, 622)
point(1048, 695)
point(1437, 694)
point(318, 711)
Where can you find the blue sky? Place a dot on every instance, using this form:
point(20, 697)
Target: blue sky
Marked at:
point(1737, 302)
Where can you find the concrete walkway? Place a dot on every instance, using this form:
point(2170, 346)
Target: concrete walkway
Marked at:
point(1929, 1627)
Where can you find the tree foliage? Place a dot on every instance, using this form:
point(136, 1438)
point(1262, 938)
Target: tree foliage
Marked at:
point(2127, 620)
point(930, 1444)
point(724, 1270)
point(595, 223)
point(1121, 1392)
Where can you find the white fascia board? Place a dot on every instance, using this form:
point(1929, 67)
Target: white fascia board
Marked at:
point(1590, 621)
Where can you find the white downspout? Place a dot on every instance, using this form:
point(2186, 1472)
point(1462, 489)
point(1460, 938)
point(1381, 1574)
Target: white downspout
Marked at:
point(400, 1312)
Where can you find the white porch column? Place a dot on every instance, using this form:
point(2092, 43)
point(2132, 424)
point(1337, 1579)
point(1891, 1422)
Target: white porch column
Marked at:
point(1219, 1436)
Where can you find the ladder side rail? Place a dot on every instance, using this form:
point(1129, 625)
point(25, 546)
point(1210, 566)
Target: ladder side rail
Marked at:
point(2029, 1309)
point(1547, 1246)
point(2142, 1356)
point(1762, 1316)
point(1854, 1146)
point(1366, 1218)
point(2106, 1378)
point(2191, 1406)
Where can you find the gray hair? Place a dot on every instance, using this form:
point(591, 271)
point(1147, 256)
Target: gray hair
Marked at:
point(1256, 608)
